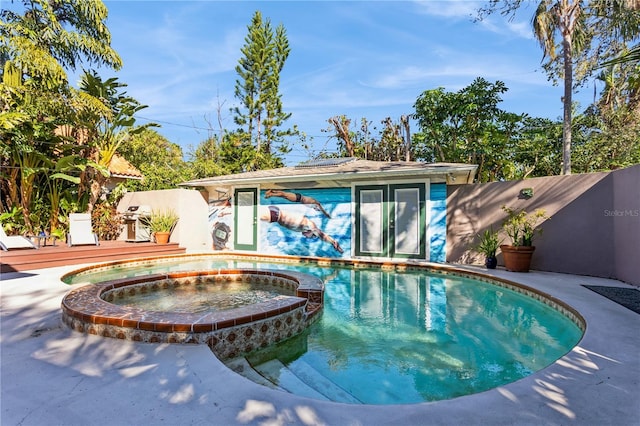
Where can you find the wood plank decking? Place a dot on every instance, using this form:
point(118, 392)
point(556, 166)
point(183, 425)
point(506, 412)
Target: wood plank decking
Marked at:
point(61, 254)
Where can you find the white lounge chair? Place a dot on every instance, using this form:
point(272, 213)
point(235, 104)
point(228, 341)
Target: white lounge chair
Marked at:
point(80, 230)
point(9, 242)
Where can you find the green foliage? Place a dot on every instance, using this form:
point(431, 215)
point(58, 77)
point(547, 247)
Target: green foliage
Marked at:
point(598, 30)
point(106, 221)
point(488, 243)
point(162, 220)
point(51, 36)
point(469, 127)
point(606, 142)
point(521, 226)
point(10, 221)
point(608, 132)
point(107, 130)
point(39, 42)
point(159, 160)
point(207, 160)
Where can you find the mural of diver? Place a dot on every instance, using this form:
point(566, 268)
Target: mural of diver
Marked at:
point(298, 223)
point(296, 197)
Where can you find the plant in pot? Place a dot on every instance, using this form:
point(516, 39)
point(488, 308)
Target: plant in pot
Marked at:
point(161, 224)
point(521, 227)
point(488, 246)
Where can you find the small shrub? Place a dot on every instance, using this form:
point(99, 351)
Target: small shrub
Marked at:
point(521, 226)
point(107, 223)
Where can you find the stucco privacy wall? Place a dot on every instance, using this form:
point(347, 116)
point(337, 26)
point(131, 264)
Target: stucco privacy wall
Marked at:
point(191, 231)
point(626, 222)
point(594, 227)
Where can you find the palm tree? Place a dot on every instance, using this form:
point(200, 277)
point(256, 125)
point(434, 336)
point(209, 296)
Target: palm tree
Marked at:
point(588, 32)
point(563, 17)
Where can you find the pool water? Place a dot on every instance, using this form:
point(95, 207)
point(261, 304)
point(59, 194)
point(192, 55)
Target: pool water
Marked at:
point(400, 338)
point(201, 298)
point(389, 338)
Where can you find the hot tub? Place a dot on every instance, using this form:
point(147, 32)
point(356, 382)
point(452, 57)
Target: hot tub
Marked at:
point(228, 332)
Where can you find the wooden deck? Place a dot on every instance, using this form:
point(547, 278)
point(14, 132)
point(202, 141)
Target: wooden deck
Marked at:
point(62, 255)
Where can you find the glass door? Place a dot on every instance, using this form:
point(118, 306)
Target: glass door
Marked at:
point(246, 219)
point(371, 221)
point(407, 225)
point(391, 221)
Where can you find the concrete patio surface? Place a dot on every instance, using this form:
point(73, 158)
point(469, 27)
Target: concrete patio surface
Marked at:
point(53, 376)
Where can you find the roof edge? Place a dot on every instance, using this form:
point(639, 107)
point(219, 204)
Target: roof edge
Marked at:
point(432, 169)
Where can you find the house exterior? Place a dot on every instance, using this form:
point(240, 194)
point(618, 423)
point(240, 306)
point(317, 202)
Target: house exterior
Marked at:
point(338, 208)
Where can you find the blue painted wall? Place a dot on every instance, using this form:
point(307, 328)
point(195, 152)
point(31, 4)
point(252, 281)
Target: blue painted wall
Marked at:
point(438, 223)
point(274, 238)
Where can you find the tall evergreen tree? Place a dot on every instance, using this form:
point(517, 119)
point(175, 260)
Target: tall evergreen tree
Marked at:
point(260, 114)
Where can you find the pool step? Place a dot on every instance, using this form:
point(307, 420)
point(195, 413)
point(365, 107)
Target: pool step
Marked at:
point(279, 374)
point(301, 378)
point(242, 367)
point(314, 378)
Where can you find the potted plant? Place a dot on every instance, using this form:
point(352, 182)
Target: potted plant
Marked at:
point(161, 224)
point(521, 227)
point(488, 245)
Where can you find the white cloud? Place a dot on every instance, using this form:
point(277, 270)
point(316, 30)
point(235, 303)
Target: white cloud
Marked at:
point(463, 9)
point(460, 9)
point(521, 28)
point(503, 26)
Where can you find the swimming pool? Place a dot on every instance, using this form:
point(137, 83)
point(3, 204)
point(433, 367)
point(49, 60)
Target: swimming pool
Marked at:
point(398, 334)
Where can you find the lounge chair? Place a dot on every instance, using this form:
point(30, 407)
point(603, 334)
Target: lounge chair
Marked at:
point(9, 242)
point(80, 230)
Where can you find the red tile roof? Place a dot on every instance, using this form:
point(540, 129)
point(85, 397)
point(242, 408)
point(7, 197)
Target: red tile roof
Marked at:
point(120, 167)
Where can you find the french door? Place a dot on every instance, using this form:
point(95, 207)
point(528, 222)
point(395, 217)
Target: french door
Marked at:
point(391, 221)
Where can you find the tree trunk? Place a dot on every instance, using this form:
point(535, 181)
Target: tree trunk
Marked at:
point(341, 124)
point(96, 191)
point(407, 132)
point(567, 101)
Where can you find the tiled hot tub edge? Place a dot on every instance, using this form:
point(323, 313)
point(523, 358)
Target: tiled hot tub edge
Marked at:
point(228, 333)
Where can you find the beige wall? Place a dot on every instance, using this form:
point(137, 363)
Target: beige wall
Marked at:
point(191, 231)
point(594, 227)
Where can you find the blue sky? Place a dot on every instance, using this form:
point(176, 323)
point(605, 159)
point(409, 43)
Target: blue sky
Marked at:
point(361, 58)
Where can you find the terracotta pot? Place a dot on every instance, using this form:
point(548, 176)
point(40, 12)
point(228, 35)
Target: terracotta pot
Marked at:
point(162, 237)
point(517, 258)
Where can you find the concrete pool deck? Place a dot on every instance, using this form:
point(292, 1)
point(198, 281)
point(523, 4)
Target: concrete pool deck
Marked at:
point(52, 375)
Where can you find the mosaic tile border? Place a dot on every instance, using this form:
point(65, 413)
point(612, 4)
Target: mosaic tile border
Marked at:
point(228, 333)
point(400, 265)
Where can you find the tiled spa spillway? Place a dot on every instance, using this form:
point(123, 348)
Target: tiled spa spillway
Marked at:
point(229, 333)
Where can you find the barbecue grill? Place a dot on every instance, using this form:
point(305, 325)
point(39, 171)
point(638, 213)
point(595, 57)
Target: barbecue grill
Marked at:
point(136, 219)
